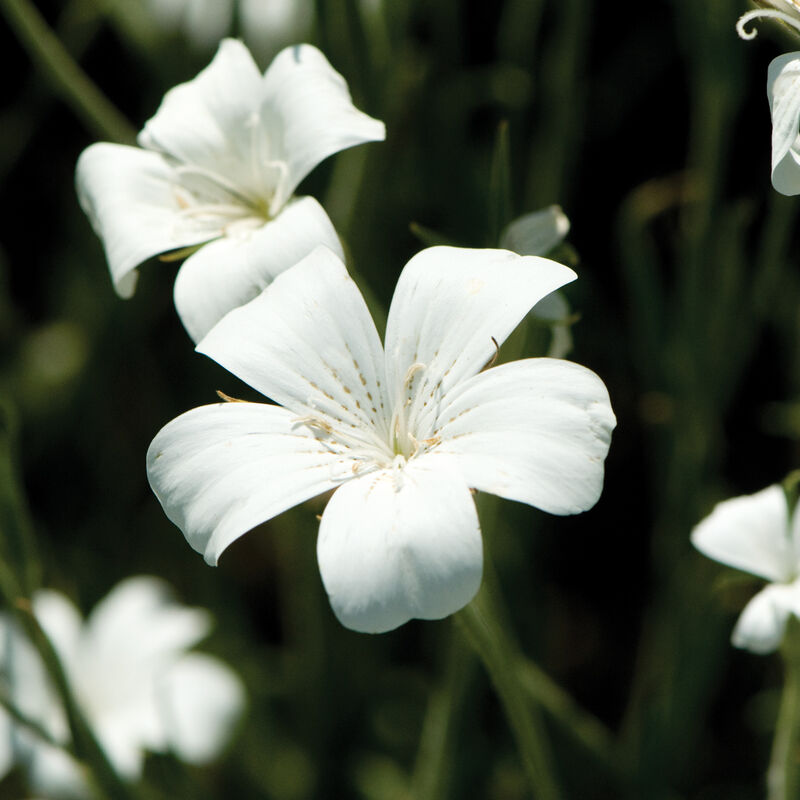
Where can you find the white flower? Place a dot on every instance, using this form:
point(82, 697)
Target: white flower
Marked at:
point(401, 434)
point(783, 91)
point(217, 167)
point(756, 534)
point(133, 676)
point(536, 234)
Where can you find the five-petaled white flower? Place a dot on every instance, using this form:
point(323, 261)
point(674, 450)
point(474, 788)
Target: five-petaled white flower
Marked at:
point(400, 433)
point(218, 165)
point(757, 534)
point(783, 91)
point(133, 677)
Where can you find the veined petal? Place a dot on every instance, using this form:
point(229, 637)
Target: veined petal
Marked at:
point(201, 700)
point(536, 431)
point(307, 101)
point(211, 120)
point(231, 271)
point(399, 544)
point(452, 307)
point(537, 233)
point(220, 470)
point(761, 626)
point(131, 200)
point(750, 533)
point(783, 90)
point(309, 343)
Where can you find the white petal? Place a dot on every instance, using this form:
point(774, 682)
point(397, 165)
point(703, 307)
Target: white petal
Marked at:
point(138, 623)
point(54, 773)
point(309, 103)
point(783, 90)
point(450, 310)
point(537, 233)
point(750, 533)
point(130, 198)
point(554, 310)
point(208, 122)
point(309, 343)
point(231, 271)
point(62, 622)
point(201, 700)
point(536, 431)
point(399, 544)
point(220, 470)
point(761, 626)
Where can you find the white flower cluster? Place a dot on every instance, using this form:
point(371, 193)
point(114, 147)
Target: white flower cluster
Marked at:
point(401, 431)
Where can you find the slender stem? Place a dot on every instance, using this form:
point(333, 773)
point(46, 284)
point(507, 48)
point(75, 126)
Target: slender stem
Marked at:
point(783, 775)
point(574, 720)
point(433, 766)
point(75, 87)
point(480, 624)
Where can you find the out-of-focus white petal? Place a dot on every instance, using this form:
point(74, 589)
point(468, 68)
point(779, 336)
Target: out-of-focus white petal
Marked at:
point(452, 307)
point(52, 772)
point(201, 700)
point(139, 621)
point(750, 533)
point(537, 233)
point(554, 310)
point(62, 623)
point(761, 626)
point(204, 22)
point(307, 102)
point(211, 120)
point(130, 198)
point(220, 470)
point(783, 90)
point(536, 431)
point(309, 343)
point(268, 26)
point(231, 271)
point(399, 544)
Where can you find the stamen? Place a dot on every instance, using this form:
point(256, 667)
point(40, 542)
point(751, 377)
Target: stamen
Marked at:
point(757, 13)
point(227, 398)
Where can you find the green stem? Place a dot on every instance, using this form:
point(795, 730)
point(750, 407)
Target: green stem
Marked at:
point(574, 720)
point(75, 87)
point(783, 775)
point(434, 761)
point(480, 624)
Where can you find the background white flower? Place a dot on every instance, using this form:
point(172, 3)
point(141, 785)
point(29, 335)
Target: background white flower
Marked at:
point(755, 533)
point(783, 91)
point(537, 234)
point(401, 434)
point(218, 165)
point(132, 673)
